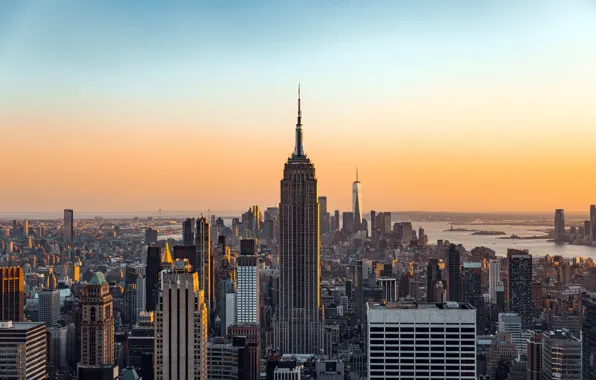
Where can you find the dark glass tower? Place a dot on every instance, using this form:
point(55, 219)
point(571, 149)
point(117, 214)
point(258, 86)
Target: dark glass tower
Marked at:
point(299, 327)
point(520, 285)
point(188, 232)
point(453, 274)
point(12, 294)
point(433, 274)
point(152, 276)
point(588, 308)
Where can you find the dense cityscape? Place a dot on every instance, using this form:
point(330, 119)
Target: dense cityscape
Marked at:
point(293, 291)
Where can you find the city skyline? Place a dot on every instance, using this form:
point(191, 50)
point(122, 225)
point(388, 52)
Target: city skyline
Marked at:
point(417, 98)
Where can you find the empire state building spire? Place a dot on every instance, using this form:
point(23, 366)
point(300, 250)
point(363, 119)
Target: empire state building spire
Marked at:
point(299, 150)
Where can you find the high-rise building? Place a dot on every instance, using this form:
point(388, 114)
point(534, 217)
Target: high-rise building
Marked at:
point(12, 294)
point(204, 258)
point(25, 228)
point(588, 314)
point(559, 226)
point(561, 356)
point(592, 222)
point(97, 325)
point(152, 276)
point(520, 285)
point(24, 350)
point(494, 277)
point(49, 307)
point(188, 232)
point(501, 349)
point(453, 274)
point(68, 229)
point(300, 327)
point(511, 323)
point(181, 326)
point(323, 214)
point(421, 341)
point(227, 360)
point(348, 223)
point(471, 276)
point(337, 219)
point(252, 334)
point(357, 203)
point(248, 284)
point(150, 236)
point(433, 274)
point(534, 364)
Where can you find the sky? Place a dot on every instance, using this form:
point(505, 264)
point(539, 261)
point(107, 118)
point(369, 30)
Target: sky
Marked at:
point(442, 105)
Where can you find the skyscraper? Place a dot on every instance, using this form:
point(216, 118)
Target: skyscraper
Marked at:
point(337, 218)
point(357, 203)
point(421, 341)
point(520, 285)
point(12, 294)
point(433, 274)
point(453, 274)
point(188, 232)
point(24, 350)
point(97, 326)
point(248, 293)
point(152, 276)
point(561, 356)
point(299, 328)
point(49, 307)
point(203, 245)
point(588, 314)
point(323, 214)
point(348, 223)
point(68, 229)
point(181, 326)
point(592, 222)
point(471, 289)
point(534, 348)
point(559, 226)
point(494, 277)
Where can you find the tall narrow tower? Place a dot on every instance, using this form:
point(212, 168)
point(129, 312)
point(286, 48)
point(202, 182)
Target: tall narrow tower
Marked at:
point(203, 247)
point(299, 326)
point(357, 203)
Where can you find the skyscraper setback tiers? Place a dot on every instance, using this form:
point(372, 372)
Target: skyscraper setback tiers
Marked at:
point(299, 325)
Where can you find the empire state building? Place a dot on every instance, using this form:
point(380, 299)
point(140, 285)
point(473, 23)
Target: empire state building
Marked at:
point(299, 328)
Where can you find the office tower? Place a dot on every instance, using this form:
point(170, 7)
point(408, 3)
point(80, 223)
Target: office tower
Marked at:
point(587, 228)
point(534, 364)
point(204, 257)
point(150, 236)
point(406, 232)
point(501, 350)
point(520, 285)
point(49, 307)
point(421, 341)
point(373, 223)
point(511, 323)
point(141, 292)
point(227, 305)
point(433, 274)
point(559, 226)
point(323, 214)
point(348, 223)
point(252, 334)
point(561, 356)
point(188, 232)
point(152, 276)
point(389, 286)
point(330, 370)
point(248, 284)
point(588, 314)
point(500, 296)
point(130, 303)
point(12, 294)
point(181, 325)
point(357, 203)
point(299, 328)
point(25, 228)
point(68, 229)
point(453, 275)
point(141, 345)
point(97, 325)
point(227, 360)
point(421, 237)
point(337, 219)
point(24, 350)
point(471, 276)
point(494, 277)
point(592, 222)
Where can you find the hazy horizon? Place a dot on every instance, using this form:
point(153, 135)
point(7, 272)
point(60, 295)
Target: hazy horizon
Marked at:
point(442, 105)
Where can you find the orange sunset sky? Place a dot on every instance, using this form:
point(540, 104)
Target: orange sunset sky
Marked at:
point(490, 110)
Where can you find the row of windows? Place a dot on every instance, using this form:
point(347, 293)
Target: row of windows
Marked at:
point(424, 361)
point(423, 329)
point(424, 354)
point(423, 336)
point(420, 348)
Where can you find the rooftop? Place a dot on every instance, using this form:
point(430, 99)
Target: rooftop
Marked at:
point(415, 305)
point(97, 279)
point(4, 325)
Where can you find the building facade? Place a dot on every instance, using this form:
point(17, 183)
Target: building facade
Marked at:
point(68, 229)
point(23, 350)
point(12, 294)
point(421, 341)
point(561, 356)
point(357, 203)
point(181, 326)
point(520, 285)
